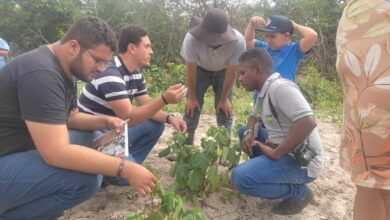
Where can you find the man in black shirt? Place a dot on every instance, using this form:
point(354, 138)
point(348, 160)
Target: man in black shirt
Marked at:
point(41, 172)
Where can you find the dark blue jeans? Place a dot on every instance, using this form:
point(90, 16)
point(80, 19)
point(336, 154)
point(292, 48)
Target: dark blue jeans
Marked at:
point(30, 189)
point(270, 179)
point(142, 139)
point(262, 136)
point(205, 79)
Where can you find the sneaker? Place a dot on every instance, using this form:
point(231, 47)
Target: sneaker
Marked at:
point(293, 207)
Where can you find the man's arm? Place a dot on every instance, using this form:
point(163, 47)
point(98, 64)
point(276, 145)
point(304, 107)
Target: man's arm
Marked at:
point(298, 132)
point(87, 122)
point(52, 143)
point(224, 104)
point(147, 108)
point(3, 53)
point(249, 137)
point(192, 100)
point(249, 34)
point(309, 37)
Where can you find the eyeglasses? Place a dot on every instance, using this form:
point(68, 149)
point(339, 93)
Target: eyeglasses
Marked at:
point(99, 62)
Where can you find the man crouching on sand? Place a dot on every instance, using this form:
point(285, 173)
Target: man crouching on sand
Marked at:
point(293, 154)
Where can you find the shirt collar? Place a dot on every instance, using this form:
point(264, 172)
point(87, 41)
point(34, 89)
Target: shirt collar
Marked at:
point(267, 83)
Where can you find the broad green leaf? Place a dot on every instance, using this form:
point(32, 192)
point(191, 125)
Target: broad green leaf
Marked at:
point(195, 180)
point(212, 175)
point(164, 152)
point(155, 216)
point(200, 161)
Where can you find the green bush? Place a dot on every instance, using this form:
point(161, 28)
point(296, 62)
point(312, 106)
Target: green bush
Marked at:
point(158, 79)
point(324, 95)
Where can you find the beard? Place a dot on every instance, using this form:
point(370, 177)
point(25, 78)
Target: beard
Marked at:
point(78, 70)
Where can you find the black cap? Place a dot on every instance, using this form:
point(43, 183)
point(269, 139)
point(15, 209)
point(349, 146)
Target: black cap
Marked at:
point(277, 23)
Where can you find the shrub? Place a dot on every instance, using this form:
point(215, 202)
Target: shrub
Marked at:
point(324, 95)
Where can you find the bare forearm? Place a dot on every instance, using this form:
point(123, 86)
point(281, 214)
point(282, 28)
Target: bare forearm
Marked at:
point(300, 130)
point(228, 82)
point(3, 53)
point(304, 31)
point(191, 79)
point(249, 34)
point(309, 37)
point(84, 159)
point(142, 113)
point(87, 122)
point(251, 123)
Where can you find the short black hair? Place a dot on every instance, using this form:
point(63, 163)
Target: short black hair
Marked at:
point(257, 57)
point(90, 32)
point(130, 34)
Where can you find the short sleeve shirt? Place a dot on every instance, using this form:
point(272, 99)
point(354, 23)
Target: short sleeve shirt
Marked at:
point(115, 83)
point(32, 87)
point(290, 105)
point(213, 59)
point(285, 60)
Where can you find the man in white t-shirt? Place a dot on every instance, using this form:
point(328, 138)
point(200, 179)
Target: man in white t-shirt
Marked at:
point(211, 50)
point(292, 156)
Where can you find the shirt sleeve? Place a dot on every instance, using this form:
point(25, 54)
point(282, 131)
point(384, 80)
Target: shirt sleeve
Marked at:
point(238, 48)
point(260, 44)
point(291, 102)
point(111, 85)
point(189, 49)
point(141, 87)
point(298, 53)
point(43, 97)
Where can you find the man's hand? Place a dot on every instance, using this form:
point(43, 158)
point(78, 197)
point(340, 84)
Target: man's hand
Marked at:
point(139, 177)
point(190, 107)
point(247, 143)
point(266, 150)
point(226, 107)
point(114, 123)
point(175, 93)
point(179, 124)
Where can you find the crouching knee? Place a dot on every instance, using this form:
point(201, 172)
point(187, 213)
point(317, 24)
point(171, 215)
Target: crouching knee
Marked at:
point(83, 186)
point(239, 179)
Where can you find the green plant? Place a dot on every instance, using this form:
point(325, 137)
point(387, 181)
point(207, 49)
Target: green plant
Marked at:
point(196, 169)
point(170, 207)
point(159, 79)
point(324, 95)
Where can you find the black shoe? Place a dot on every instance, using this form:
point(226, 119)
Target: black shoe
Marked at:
point(293, 207)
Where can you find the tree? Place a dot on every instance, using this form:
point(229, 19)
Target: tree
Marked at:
point(28, 24)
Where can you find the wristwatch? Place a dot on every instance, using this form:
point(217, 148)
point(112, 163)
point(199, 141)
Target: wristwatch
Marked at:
point(247, 131)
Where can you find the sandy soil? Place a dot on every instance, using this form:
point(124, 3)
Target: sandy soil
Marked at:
point(333, 191)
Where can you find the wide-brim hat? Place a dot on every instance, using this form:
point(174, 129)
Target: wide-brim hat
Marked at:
point(214, 29)
point(277, 23)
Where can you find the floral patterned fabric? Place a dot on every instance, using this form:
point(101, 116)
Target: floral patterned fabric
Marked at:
point(363, 65)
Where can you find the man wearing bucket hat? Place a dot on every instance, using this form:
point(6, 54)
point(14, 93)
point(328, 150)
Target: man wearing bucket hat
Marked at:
point(286, 55)
point(211, 50)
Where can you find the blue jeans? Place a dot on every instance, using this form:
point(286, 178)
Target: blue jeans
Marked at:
point(31, 189)
point(142, 139)
point(271, 179)
point(262, 136)
point(204, 79)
